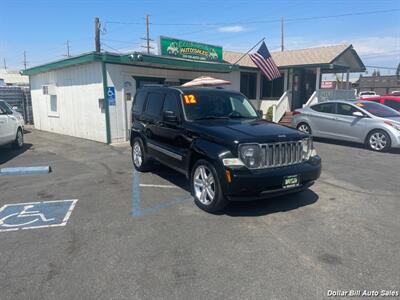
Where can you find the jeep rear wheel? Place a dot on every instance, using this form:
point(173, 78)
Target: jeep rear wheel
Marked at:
point(206, 188)
point(139, 156)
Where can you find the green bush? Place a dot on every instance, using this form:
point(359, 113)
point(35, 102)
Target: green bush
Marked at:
point(269, 113)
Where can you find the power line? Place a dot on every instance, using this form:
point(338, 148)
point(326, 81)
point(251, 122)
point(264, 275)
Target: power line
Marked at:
point(263, 21)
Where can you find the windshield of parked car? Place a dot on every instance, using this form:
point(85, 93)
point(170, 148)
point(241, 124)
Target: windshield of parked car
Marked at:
point(5, 106)
point(378, 110)
point(202, 106)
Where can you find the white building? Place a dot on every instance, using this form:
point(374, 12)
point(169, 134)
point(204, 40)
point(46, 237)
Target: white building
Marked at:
point(90, 95)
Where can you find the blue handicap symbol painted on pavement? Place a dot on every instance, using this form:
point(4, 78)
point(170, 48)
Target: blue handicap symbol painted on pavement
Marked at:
point(35, 214)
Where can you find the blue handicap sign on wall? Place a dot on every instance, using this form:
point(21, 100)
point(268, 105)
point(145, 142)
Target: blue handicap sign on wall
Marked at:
point(35, 214)
point(111, 95)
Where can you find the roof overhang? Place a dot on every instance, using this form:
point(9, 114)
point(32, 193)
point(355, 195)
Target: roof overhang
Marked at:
point(134, 59)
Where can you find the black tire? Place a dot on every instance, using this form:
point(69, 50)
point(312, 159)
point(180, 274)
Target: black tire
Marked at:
point(304, 125)
point(219, 202)
point(144, 164)
point(19, 139)
point(377, 146)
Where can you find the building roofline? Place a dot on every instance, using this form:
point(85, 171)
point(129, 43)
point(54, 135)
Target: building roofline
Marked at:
point(136, 59)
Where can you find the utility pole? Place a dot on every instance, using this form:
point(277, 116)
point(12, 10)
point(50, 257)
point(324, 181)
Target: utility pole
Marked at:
point(25, 62)
point(97, 33)
point(5, 64)
point(282, 35)
point(147, 38)
point(68, 53)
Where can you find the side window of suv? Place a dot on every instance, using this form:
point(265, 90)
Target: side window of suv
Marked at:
point(154, 104)
point(327, 108)
point(393, 104)
point(345, 109)
point(139, 102)
point(171, 104)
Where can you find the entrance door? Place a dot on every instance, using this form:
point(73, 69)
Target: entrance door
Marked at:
point(297, 89)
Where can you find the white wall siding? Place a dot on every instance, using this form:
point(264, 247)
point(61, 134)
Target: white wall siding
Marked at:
point(78, 91)
point(118, 75)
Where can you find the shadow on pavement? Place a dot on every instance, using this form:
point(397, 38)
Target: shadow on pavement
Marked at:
point(170, 175)
point(7, 153)
point(272, 205)
point(350, 144)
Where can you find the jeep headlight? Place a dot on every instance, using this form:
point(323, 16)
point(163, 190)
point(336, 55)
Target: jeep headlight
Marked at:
point(250, 155)
point(308, 149)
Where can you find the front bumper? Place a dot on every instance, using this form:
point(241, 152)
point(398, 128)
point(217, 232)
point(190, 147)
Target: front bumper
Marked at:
point(265, 183)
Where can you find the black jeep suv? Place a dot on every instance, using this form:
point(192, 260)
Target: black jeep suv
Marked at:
point(220, 142)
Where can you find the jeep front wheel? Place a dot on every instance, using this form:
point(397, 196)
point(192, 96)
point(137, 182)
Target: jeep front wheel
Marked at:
point(139, 156)
point(206, 188)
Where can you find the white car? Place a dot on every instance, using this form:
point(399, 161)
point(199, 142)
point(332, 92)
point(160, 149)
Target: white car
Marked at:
point(11, 127)
point(366, 94)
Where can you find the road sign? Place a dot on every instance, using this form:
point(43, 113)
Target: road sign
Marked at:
point(111, 95)
point(35, 214)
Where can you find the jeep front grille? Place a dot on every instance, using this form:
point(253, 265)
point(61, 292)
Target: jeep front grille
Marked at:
point(281, 154)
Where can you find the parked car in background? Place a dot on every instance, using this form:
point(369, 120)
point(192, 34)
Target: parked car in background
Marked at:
point(394, 93)
point(11, 131)
point(365, 94)
point(388, 100)
point(220, 143)
point(375, 125)
point(18, 116)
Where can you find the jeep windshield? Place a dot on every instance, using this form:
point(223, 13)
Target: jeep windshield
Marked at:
point(206, 106)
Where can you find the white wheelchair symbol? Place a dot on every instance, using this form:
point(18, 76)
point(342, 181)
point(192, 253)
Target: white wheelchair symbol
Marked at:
point(23, 215)
point(110, 93)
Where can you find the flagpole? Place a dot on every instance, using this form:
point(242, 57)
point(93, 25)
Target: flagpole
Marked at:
point(248, 51)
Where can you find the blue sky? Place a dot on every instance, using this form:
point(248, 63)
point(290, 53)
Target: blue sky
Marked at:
point(42, 27)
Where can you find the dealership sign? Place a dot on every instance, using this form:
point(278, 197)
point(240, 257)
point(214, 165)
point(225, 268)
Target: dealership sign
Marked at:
point(189, 50)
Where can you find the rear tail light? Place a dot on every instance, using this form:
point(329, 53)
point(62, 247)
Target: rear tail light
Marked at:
point(296, 113)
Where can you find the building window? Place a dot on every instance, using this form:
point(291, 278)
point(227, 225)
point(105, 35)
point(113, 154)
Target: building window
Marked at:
point(53, 106)
point(248, 84)
point(272, 89)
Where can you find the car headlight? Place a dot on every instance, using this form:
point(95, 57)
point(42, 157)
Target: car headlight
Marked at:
point(394, 125)
point(308, 148)
point(250, 155)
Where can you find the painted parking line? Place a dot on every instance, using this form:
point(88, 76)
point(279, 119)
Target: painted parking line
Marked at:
point(25, 170)
point(34, 215)
point(137, 210)
point(164, 186)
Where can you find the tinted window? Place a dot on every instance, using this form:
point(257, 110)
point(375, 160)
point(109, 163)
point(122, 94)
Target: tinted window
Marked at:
point(154, 104)
point(139, 102)
point(393, 104)
point(6, 108)
point(171, 104)
point(324, 108)
point(345, 109)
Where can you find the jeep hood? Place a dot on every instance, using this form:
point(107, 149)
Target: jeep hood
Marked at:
point(247, 131)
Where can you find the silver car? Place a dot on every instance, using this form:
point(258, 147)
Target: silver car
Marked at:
point(373, 124)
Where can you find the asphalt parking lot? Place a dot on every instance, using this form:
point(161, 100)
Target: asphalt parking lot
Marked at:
point(139, 236)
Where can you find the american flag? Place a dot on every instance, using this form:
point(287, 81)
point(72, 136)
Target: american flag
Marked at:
point(263, 60)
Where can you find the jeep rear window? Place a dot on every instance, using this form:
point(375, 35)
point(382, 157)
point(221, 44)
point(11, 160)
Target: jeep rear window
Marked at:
point(139, 102)
point(219, 105)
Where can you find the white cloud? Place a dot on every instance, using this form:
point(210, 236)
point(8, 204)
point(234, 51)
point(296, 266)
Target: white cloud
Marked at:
point(236, 28)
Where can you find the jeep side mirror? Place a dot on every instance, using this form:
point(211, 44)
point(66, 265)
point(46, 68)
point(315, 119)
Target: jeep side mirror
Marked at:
point(358, 114)
point(15, 108)
point(170, 116)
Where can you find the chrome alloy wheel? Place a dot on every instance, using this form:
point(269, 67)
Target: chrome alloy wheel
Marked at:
point(20, 138)
point(378, 141)
point(204, 184)
point(304, 128)
point(137, 154)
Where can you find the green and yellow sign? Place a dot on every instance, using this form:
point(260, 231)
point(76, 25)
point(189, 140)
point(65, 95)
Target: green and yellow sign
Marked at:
point(189, 50)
